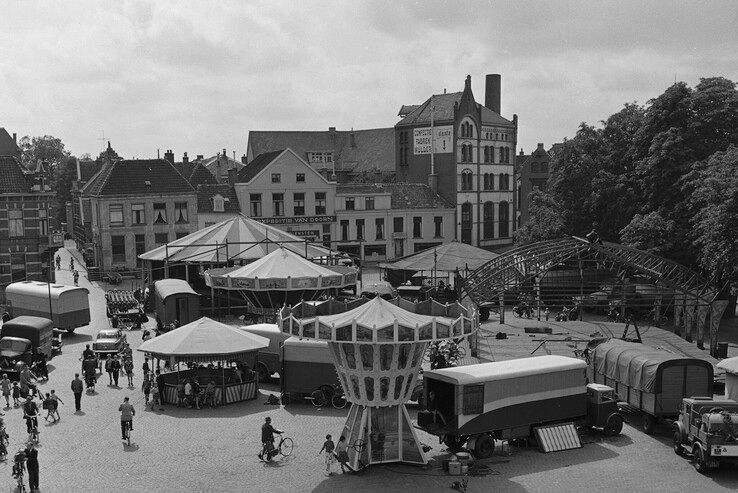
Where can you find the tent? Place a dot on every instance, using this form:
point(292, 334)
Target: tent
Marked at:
point(730, 365)
point(446, 258)
point(237, 238)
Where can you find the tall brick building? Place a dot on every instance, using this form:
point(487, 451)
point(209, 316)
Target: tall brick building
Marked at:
point(465, 151)
point(531, 171)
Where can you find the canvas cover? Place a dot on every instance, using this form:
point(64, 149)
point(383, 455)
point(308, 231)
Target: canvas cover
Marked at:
point(447, 258)
point(636, 365)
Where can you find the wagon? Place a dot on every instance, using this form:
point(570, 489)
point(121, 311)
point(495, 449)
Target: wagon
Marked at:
point(652, 381)
point(67, 306)
point(307, 367)
point(175, 300)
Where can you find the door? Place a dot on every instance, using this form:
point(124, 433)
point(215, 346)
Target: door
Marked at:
point(181, 311)
point(466, 223)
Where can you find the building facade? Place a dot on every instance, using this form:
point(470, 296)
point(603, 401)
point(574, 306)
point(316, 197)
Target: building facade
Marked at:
point(132, 206)
point(281, 189)
point(382, 221)
point(25, 202)
point(465, 151)
point(531, 172)
point(216, 203)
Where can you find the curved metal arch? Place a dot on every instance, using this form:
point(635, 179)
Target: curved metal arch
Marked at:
point(516, 266)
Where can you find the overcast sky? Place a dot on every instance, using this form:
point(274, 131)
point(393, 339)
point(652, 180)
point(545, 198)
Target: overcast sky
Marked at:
point(197, 76)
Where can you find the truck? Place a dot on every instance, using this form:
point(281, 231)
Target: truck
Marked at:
point(650, 381)
point(20, 338)
point(506, 400)
point(269, 361)
point(706, 430)
point(307, 371)
point(68, 307)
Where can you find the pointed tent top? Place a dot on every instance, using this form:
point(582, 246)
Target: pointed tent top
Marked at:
point(281, 263)
point(449, 257)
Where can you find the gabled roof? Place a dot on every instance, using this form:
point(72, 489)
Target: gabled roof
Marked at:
point(248, 172)
point(444, 111)
point(404, 195)
point(205, 194)
point(89, 168)
point(406, 109)
point(12, 178)
point(210, 163)
point(196, 173)
point(138, 177)
point(8, 147)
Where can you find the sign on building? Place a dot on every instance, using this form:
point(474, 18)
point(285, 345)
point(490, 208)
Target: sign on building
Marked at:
point(441, 140)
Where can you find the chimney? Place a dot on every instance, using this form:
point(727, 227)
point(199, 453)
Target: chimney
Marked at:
point(244, 159)
point(332, 130)
point(169, 156)
point(79, 170)
point(521, 152)
point(15, 138)
point(352, 138)
point(232, 176)
point(218, 169)
point(540, 146)
point(492, 92)
point(200, 157)
point(185, 159)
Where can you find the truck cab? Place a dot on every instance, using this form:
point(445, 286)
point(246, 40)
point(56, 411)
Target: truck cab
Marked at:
point(707, 429)
point(602, 409)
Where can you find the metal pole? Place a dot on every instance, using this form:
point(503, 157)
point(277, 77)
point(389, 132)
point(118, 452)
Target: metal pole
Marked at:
point(51, 311)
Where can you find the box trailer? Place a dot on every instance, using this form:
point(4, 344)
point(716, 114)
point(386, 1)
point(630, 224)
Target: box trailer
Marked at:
point(69, 305)
point(652, 381)
point(307, 367)
point(174, 299)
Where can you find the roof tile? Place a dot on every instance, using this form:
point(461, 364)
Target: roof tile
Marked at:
point(12, 178)
point(130, 177)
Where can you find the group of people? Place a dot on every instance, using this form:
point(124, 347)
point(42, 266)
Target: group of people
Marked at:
point(75, 274)
point(191, 394)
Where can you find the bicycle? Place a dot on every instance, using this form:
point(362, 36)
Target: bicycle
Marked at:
point(33, 436)
point(18, 469)
point(127, 434)
point(283, 448)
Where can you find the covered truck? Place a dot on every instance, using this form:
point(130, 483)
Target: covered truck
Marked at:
point(269, 357)
point(307, 368)
point(20, 338)
point(652, 381)
point(69, 305)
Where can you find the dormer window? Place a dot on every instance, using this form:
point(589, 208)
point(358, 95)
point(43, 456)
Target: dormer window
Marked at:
point(320, 157)
point(218, 203)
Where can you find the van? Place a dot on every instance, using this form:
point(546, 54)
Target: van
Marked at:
point(269, 357)
point(20, 337)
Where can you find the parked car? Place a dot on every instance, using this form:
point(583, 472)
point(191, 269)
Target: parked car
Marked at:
point(109, 341)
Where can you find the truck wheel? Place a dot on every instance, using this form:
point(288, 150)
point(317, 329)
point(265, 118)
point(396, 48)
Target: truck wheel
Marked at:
point(483, 314)
point(70, 331)
point(649, 422)
point(614, 425)
point(454, 443)
point(263, 373)
point(678, 449)
point(700, 465)
point(484, 445)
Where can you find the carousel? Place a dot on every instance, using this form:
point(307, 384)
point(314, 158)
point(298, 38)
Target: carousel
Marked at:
point(378, 348)
point(281, 278)
point(211, 352)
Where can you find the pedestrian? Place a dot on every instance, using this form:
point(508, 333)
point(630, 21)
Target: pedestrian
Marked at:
point(128, 368)
point(146, 368)
point(156, 397)
point(146, 388)
point(126, 416)
point(71, 263)
point(41, 368)
point(56, 400)
point(115, 368)
point(32, 466)
point(546, 313)
point(58, 262)
point(48, 404)
point(196, 392)
point(188, 393)
point(77, 388)
point(75, 275)
point(342, 454)
point(328, 446)
point(109, 368)
point(16, 394)
point(6, 386)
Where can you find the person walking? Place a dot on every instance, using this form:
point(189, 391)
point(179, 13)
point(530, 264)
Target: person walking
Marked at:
point(48, 404)
point(546, 313)
point(109, 368)
point(6, 386)
point(155, 397)
point(75, 275)
point(128, 368)
point(115, 369)
point(58, 262)
point(146, 388)
point(56, 400)
point(126, 416)
point(267, 439)
point(328, 446)
point(77, 388)
point(71, 263)
point(32, 466)
point(342, 454)
point(16, 394)
point(145, 367)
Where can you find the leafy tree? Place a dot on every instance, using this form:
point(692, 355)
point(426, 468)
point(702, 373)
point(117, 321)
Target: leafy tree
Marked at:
point(46, 148)
point(545, 219)
point(649, 232)
point(64, 174)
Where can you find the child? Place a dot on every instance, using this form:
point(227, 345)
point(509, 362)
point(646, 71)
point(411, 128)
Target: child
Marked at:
point(342, 454)
point(128, 367)
point(155, 398)
point(56, 400)
point(16, 394)
point(328, 446)
point(48, 404)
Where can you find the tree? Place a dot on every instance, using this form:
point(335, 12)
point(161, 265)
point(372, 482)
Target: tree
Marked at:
point(649, 232)
point(545, 219)
point(64, 174)
point(47, 148)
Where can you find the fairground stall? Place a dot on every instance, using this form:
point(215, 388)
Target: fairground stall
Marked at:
point(378, 348)
point(174, 299)
point(208, 351)
point(281, 278)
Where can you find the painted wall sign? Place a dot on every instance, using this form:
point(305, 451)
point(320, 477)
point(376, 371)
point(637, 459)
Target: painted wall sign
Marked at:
point(442, 140)
point(305, 234)
point(296, 220)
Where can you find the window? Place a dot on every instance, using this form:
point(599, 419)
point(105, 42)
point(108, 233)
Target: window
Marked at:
point(140, 241)
point(417, 227)
point(359, 229)
point(350, 205)
point(276, 178)
point(344, 230)
point(300, 177)
point(504, 217)
point(138, 214)
point(255, 204)
point(278, 204)
point(218, 203)
point(161, 238)
point(467, 180)
point(116, 214)
point(399, 247)
point(180, 212)
point(369, 203)
point(491, 154)
point(319, 203)
point(17, 267)
point(473, 399)
point(438, 229)
point(118, 247)
point(399, 225)
point(466, 223)
point(489, 217)
point(43, 222)
point(535, 168)
point(486, 154)
point(15, 224)
point(299, 202)
point(180, 234)
point(320, 157)
point(379, 225)
point(486, 181)
point(491, 181)
point(504, 181)
point(160, 213)
point(544, 167)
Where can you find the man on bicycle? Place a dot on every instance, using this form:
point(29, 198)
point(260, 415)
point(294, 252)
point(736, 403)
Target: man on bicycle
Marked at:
point(126, 417)
point(30, 414)
point(267, 439)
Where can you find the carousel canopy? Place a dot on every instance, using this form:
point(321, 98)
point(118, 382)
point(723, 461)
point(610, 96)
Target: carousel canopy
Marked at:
point(204, 340)
point(281, 270)
point(237, 238)
point(379, 320)
point(447, 257)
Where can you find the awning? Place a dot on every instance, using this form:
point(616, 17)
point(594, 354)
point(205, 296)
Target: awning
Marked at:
point(447, 258)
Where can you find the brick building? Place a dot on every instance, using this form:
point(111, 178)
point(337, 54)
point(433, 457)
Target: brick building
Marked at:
point(465, 151)
point(531, 171)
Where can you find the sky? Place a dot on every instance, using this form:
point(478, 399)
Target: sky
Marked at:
point(196, 76)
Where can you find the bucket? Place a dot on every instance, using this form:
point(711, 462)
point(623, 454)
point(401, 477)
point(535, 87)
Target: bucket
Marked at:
point(464, 458)
point(454, 468)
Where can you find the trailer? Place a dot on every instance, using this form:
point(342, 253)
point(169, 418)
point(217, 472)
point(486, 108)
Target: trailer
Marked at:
point(652, 381)
point(505, 400)
point(123, 308)
point(269, 361)
point(175, 300)
point(307, 368)
point(68, 307)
